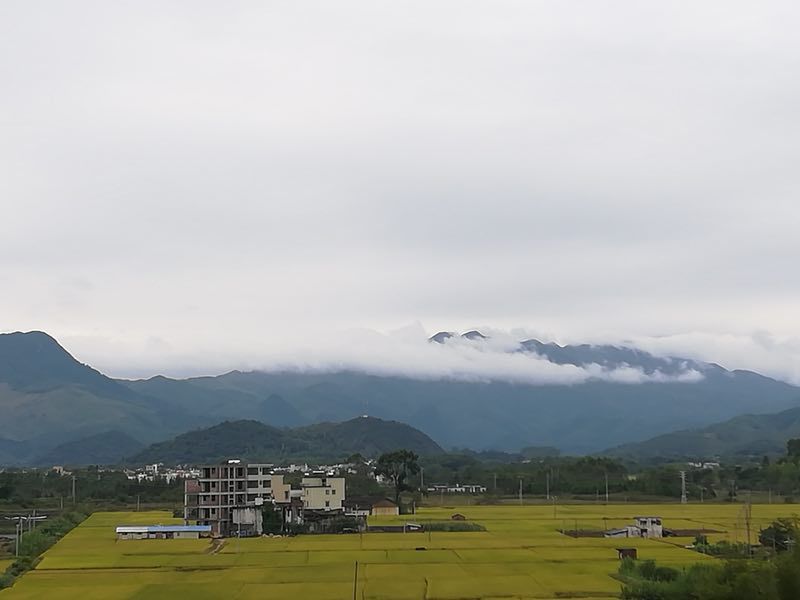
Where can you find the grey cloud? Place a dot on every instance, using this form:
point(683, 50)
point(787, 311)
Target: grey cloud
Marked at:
point(270, 172)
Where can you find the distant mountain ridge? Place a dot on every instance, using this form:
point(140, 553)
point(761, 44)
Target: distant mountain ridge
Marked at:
point(607, 356)
point(253, 440)
point(47, 398)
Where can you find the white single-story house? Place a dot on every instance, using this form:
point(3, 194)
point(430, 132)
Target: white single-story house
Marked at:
point(162, 532)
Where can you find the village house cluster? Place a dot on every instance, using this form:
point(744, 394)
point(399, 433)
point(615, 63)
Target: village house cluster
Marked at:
point(459, 488)
point(158, 471)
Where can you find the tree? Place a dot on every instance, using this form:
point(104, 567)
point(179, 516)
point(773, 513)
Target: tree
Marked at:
point(396, 467)
point(793, 448)
point(780, 535)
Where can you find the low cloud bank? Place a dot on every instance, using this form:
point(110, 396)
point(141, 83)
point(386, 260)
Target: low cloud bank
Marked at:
point(762, 352)
point(405, 352)
point(493, 359)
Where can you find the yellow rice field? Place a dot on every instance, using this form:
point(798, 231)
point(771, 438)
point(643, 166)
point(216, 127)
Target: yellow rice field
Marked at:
point(521, 555)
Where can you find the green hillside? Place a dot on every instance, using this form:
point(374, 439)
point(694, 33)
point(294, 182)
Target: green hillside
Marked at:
point(253, 440)
point(105, 448)
point(746, 436)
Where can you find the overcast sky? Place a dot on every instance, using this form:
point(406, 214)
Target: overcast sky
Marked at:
point(191, 186)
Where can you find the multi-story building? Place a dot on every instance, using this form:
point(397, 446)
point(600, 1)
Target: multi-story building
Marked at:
point(322, 493)
point(230, 496)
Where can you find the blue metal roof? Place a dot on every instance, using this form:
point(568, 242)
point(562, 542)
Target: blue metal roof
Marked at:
point(165, 528)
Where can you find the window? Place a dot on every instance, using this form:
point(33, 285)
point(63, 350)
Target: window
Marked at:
point(327, 492)
point(251, 484)
point(267, 483)
point(333, 491)
point(327, 503)
point(252, 470)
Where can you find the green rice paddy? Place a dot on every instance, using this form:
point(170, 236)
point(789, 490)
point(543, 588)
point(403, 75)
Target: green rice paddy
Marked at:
point(520, 555)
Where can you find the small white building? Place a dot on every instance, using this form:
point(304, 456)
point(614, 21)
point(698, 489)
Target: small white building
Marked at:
point(162, 532)
point(649, 526)
point(459, 488)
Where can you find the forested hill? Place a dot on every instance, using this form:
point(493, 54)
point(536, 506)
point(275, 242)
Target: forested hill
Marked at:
point(253, 440)
point(746, 436)
point(109, 447)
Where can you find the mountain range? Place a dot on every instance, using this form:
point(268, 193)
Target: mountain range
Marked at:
point(48, 398)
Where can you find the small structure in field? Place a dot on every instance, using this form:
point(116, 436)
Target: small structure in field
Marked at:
point(650, 526)
point(162, 532)
point(370, 506)
point(624, 553)
point(458, 517)
point(384, 506)
point(643, 527)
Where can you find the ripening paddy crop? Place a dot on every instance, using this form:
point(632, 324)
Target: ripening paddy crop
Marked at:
point(520, 555)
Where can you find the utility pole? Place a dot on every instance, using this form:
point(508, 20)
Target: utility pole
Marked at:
point(520, 491)
point(137, 502)
point(18, 528)
point(33, 520)
point(495, 483)
point(355, 581)
point(747, 516)
point(422, 479)
point(548, 485)
point(683, 487)
point(606, 488)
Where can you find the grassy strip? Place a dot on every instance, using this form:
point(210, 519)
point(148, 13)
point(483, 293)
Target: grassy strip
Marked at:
point(34, 543)
point(453, 526)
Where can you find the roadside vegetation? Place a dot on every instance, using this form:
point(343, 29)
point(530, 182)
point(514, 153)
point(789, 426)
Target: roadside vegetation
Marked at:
point(769, 571)
point(31, 488)
point(34, 543)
